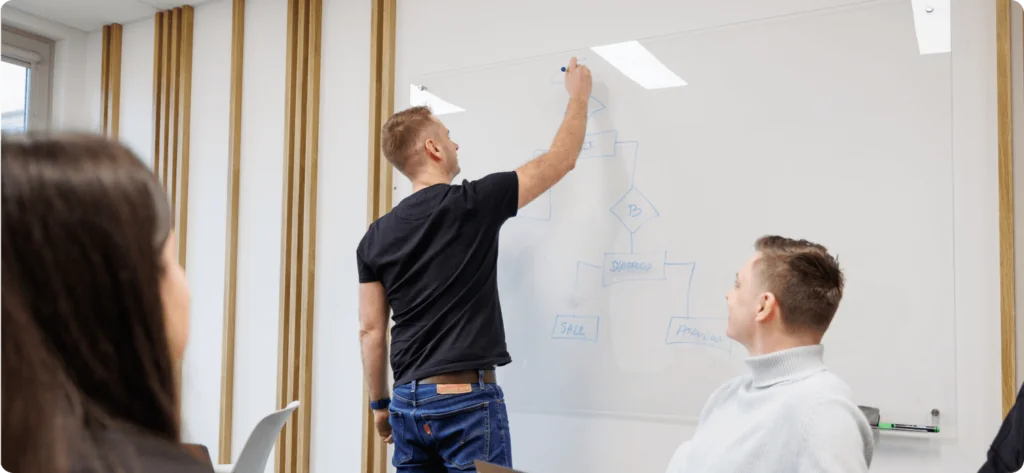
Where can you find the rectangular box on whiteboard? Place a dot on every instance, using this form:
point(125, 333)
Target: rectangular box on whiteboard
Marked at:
point(698, 331)
point(621, 267)
point(576, 327)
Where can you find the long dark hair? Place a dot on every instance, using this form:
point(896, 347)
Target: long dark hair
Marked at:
point(85, 348)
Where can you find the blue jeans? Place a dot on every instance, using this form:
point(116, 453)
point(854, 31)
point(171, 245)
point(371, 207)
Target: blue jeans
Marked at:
point(448, 432)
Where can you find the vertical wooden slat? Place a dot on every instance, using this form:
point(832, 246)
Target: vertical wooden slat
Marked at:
point(382, 81)
point(114, 75)
point(295, 358)
point(1007, 284)
point(165, 96)
point(372, 187)
point(231, 248)
point(184, 117)
point(110, 80)
point(309, 190)
point(387, 99)
point(105, 79)
point(158, 29)
point(294, 225)
point(371, 451)
point(284, 349)
point(172, 112)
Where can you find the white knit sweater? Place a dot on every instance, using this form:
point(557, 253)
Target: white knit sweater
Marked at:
point(788, 415)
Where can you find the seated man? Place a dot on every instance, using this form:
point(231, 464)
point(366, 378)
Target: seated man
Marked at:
point(790, 414)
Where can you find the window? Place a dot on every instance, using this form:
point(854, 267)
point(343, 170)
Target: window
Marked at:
point(25, 81)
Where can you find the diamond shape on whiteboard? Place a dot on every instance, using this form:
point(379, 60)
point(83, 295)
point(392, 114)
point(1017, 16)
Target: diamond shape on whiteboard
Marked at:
point(634, 210)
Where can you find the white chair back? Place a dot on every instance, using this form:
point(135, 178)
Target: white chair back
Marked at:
point(256, 451)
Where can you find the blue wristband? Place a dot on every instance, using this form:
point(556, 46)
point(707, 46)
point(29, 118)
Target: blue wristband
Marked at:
point(380, 405)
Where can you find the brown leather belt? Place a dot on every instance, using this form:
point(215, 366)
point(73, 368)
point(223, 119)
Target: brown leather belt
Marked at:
point(461, 377)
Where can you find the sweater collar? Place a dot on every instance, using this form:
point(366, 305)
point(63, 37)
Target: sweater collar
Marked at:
point(786, 365)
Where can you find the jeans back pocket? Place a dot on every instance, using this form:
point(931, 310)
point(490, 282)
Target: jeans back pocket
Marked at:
point(462, 433)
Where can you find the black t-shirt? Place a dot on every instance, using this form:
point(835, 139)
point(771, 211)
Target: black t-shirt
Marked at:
point(436, 254)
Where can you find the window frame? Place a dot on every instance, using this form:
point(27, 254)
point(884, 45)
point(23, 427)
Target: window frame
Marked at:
point(37, 53)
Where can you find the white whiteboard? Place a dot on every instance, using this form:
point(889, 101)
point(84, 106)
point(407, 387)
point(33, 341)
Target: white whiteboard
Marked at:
point(827, 125)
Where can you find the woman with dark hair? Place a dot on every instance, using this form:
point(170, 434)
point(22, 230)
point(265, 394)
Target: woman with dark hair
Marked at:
point(95, 311)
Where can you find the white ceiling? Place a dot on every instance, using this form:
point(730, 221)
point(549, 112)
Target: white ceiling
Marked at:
point(91, 15)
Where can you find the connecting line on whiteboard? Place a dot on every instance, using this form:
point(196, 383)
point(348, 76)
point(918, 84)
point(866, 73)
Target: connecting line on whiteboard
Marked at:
point(582, 263)
point(689, 282)
point(576, 285)
point(636, 157)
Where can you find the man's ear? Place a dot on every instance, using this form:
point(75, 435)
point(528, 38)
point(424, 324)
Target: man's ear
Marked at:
point(767, 307)
point(432, 149)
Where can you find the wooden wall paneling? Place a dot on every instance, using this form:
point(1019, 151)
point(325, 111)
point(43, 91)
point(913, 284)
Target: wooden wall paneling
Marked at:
point(158, 42)
point(110, 80)
point(282, 452)
point(387, 97)
point(115, 80)
point(165, 95)
point(379, 187)
point(1007, 283)
point(309, 205)
point(295, 355)
point(172, 110)
point(105, 80)
point(172, 106)
point(231, 248)
point(184, 120)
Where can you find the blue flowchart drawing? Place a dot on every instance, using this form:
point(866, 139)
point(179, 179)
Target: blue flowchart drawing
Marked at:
point(633, 210)
point(576, 327)
point(698, 331)
point(622, 267)
point(594, 106)
point(599, 145)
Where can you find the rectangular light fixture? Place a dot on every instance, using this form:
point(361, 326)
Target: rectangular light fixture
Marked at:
point(931, 23)
point(637, 63)
point(418, 95)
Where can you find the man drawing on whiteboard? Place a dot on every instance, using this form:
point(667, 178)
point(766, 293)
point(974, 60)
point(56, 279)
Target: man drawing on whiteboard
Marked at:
point(432, 261)
point(790, 414)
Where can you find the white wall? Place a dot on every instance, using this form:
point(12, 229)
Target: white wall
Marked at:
point(259, 220)
point(207, 219)
point(135, 124)
point(341, 221)
point(207, 185)
point(93, 115)
point(342, 212)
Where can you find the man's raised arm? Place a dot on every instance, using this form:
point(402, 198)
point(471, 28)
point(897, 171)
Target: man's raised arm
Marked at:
point(543, 172)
